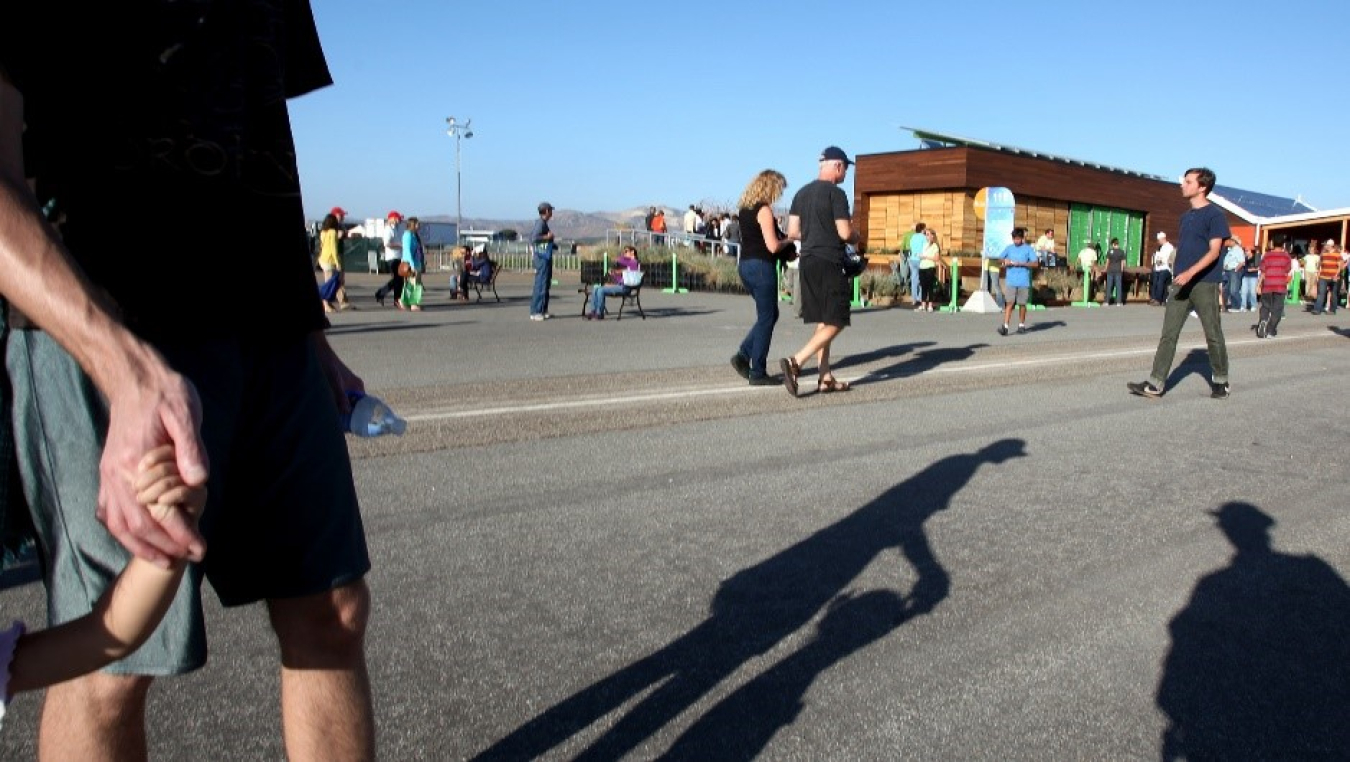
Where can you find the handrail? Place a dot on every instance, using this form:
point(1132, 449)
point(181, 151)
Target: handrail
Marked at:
point(618, 237)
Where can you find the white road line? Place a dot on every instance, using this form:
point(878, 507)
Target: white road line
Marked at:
point(543, 407)
point(571, 404)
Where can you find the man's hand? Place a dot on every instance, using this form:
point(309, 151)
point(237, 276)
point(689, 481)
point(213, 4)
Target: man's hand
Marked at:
point(341, 379)
point(1182, 278)
point(160, 409)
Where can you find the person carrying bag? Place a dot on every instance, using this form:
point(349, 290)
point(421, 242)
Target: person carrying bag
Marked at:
point(411, 267)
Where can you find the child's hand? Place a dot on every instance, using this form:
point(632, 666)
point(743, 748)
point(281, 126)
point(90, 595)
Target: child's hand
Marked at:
point(159, 486)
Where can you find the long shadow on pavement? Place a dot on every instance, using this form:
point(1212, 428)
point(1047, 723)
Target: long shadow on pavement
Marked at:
point(1260, 662)
point(883, 353)
point(380, 327)
point(922, 361)
point(1196, 362)
point(752, 613)
point(1038, 327)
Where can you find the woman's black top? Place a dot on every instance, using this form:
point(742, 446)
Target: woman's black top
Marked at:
point(752, 235)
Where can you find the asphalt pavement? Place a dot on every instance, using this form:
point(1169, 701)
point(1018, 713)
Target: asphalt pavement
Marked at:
point(596, 541)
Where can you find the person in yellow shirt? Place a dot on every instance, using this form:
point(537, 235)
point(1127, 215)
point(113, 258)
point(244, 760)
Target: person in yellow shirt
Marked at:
point(332, 292)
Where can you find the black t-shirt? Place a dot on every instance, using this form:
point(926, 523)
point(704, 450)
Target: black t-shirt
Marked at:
point(1115, 259)
point(818, 205)
point(753, 245)
point(171, 155)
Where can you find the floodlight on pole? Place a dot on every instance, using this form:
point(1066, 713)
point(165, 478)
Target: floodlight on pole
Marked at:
point(457, 131)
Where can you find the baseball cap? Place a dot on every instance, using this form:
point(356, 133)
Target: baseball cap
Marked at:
point(1161, 234)
point(338, 211)
point(545, 206)
point(835, 153)
point(1330, 242)
point(393, 215)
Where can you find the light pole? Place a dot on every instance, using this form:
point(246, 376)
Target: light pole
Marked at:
point(456, 130)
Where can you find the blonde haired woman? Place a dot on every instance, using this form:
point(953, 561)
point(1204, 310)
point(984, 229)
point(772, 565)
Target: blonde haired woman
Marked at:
point(928, 269)
point(763, 245)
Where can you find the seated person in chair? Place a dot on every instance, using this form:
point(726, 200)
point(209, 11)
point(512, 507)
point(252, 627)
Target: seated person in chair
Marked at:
point(477, 268)
point(626, 261)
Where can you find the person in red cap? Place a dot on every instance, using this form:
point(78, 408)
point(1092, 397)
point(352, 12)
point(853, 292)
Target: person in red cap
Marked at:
point(393, 254)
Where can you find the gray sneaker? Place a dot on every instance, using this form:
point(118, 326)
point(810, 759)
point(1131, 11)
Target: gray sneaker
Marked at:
point(1261, 330)
point(1218, 391)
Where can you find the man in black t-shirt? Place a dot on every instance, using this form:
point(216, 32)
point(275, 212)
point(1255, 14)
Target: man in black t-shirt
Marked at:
point(820, 219)
point(191, 123)
point(1194, 287)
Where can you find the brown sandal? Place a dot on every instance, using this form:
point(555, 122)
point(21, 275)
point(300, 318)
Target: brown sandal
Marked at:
point(790, 372)
point(830, 384)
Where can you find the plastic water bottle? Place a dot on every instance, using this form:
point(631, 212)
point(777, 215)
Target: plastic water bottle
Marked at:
point(370, 417)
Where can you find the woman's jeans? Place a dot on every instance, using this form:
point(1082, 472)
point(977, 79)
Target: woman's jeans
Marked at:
point(543, 278)
point(1247, 301)
point(760, 278)
point(1115, 288)
point(1233, 293)
point(598, 295)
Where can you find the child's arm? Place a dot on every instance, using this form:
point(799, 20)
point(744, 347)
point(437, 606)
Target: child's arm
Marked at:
point(128, 611)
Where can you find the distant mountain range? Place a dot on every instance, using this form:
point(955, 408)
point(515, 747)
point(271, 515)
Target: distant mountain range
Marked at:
point(571, 225)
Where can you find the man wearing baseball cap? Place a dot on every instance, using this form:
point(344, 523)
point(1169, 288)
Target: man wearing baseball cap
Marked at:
point(1328, 279)
point(820, 219)
point(541, 238)
point(1162, 271)
point(393, 254)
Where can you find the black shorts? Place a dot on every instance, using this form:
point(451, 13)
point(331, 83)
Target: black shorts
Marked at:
point(281, 518)
point(825, 291)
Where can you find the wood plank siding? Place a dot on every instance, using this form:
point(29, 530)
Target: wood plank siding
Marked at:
point(893, 191)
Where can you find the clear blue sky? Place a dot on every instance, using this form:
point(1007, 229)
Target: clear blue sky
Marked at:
point(602, 105)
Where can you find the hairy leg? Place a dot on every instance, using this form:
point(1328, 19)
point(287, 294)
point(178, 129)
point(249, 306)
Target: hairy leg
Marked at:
point(95, 717)
point(325, 689)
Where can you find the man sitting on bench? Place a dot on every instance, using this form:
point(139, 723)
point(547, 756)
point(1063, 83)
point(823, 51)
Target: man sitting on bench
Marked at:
point(626, 261)
point(477, 268)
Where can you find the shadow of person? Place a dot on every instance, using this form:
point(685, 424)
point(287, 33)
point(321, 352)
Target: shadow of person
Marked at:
point(882, 353)
point(926, 360)
point(756, 609)
point(1260, 660)
point(1046, 326)
point(1196, 362)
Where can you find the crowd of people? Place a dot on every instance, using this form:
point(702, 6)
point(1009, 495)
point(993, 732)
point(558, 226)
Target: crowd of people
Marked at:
point(709, 232)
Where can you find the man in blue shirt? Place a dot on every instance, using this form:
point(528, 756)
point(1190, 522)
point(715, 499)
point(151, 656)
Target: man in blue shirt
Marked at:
point(916, 242)
point(1195, 287)
point(1017, 261)
point(541, 239)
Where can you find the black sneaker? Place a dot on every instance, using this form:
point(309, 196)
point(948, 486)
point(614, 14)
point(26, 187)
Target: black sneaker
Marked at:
point(1021, 329)
point(1261, 330)
point(764, 381)
point(1218, 391)
point(1144, 389)
point(1003, 330)
point(742, 364)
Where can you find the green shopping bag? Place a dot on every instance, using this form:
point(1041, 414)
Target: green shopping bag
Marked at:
point(412, 292)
